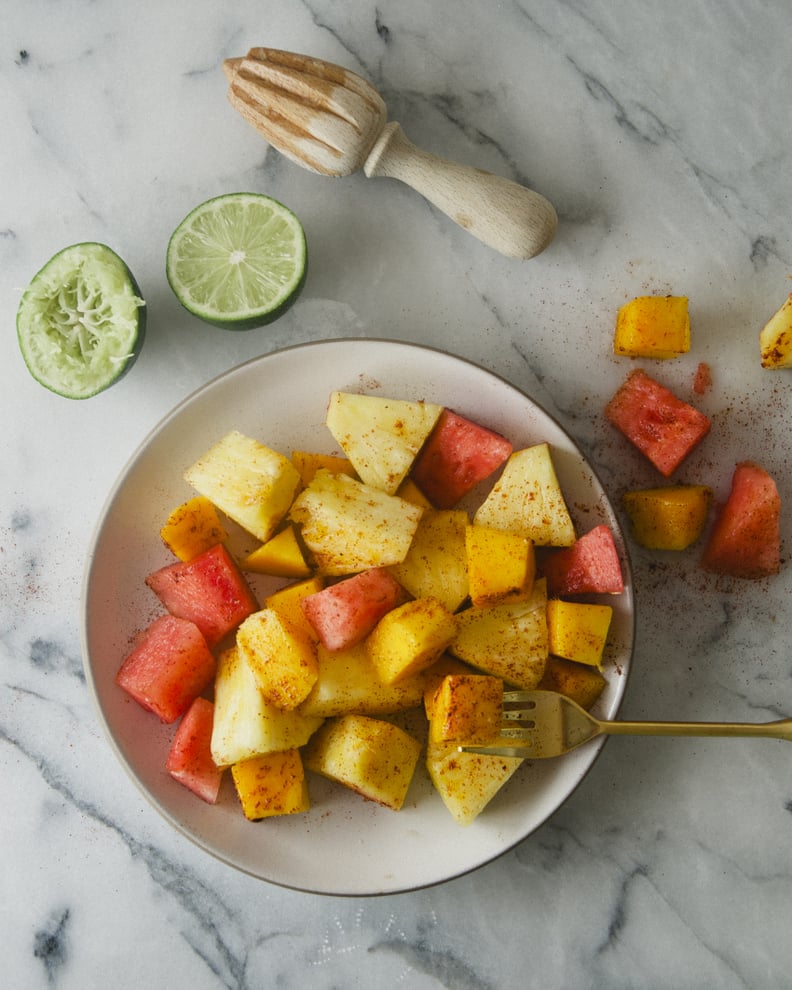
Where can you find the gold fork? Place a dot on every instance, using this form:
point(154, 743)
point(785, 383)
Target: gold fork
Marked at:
point(541, 724)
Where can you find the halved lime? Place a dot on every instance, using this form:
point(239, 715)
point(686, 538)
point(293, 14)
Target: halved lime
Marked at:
point(237, 261)
point(81, 322)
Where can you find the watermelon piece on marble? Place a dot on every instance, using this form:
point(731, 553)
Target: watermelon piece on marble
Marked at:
point(663, 427)
point(745, 540)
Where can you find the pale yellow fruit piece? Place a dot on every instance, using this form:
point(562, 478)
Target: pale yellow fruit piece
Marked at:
point(410, 492)
point(775, 338)
point(410, 638)
point(347, 683)
point(281, 556)
point(245, 723)
point(380, 436)
point(653, 327)
point(250, 483)
point(527, 499)
point(282, 658)
point(272, 784)
point(308, 463)
point(509, 640)
point(286, 601)
point(375, 758)
point(467, 708)
point(578, 631)
point(192, 528)
point(500, 565)
point(349, 526)
point(436, 563)
point(467, 782)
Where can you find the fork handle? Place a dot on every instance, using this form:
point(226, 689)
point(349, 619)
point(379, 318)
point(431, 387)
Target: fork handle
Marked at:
point(782, 729)
point(503, 214)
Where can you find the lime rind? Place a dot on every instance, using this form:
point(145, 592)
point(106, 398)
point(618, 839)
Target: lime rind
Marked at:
point(238, 261)
point(81, 321)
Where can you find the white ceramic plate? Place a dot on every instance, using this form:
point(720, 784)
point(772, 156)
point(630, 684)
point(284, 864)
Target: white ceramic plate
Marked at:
point(344, 845)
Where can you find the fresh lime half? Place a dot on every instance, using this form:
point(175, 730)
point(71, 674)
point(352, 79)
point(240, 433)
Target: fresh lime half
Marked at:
point(81, 322)
point(237, 261)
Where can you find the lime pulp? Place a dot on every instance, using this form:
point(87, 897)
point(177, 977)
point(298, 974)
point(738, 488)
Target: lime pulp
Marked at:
point(237, 261)
point(81, 321)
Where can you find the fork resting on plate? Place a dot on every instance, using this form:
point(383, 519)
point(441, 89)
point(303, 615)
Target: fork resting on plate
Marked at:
point(541, 724)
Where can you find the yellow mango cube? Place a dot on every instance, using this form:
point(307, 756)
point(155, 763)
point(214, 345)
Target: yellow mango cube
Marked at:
point(577, 681)
point(467, 708)
point(669, 518)
point(500, 565)
point(282, 658)
point(374, 758)
point(577, 630)
point(192, 528)
point(410, 638)
point(281, 556)
point(435, 675)
point(286, 602)
point(272, 784)
point(653, 327)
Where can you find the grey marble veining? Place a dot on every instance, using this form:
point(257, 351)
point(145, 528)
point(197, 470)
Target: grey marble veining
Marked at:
point(660, 134)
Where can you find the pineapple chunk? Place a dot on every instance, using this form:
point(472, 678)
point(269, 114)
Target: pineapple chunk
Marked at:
point(348, 683)
point(578, 631)
point(245, 723)
point(467, 708)
point(527, 499)
point(282, 658)
point(775, 338)
point(467, 782)
point(653, 327)
point(250, 483)
point(272, 784)
point(286, 602)
point(281, 556)
point(192, 528)
point(500, 565)
point(375, 758)
point(381, 437)
point(577, 681)
point(308, 464)
point(349, 526)
point(669, 518)
point(509, 640)
point(436, 563)
point(410, 638)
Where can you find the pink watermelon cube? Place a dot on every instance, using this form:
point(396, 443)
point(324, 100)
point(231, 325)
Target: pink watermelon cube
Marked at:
point(664, 428)
point(457, 456)
point(209, 590)
point(745, 541)
point(190, 757)
point(169, 668)
point(343, 614)
point(590, 566)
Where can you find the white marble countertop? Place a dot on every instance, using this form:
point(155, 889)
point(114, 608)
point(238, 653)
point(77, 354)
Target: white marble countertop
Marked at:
point(661, 135)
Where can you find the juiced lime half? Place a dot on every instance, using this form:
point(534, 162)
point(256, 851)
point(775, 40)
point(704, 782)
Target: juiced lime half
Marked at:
point(237, 261)
point(81, 321)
